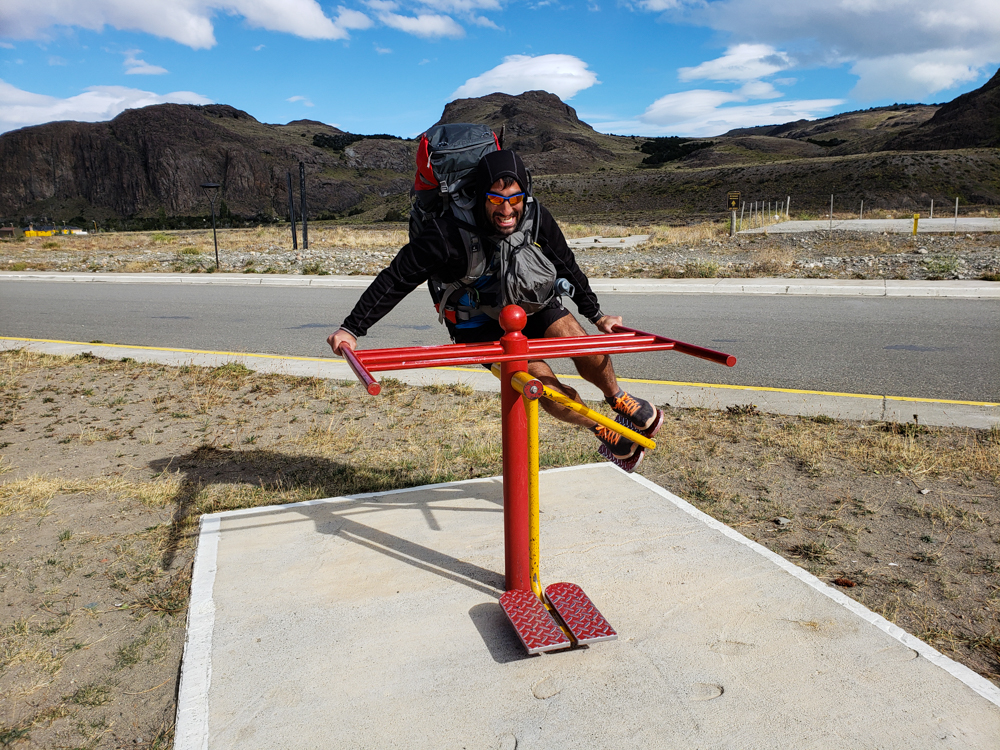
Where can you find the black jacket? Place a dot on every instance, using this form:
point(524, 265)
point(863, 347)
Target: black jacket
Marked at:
point(439, 252)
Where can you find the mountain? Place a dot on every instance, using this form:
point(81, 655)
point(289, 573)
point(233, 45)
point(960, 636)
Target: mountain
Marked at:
point(544, 130)
point(151, 160)
point(970, 121)
point(148, 163)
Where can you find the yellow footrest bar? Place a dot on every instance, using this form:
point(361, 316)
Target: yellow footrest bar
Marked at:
point(521, 378)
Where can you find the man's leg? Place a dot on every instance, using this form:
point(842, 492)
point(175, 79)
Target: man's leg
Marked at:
point(595, 369)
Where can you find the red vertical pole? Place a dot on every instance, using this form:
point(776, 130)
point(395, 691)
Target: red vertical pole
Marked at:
point(517, 563)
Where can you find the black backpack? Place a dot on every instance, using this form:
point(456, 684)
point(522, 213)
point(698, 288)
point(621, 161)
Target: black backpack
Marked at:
point(445, 185)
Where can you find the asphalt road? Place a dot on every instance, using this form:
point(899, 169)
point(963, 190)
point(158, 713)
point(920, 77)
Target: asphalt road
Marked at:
point(926, 348)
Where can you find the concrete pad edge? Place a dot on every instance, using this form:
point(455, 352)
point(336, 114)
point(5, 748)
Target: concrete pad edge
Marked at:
point(196, 672)
point(980, 685)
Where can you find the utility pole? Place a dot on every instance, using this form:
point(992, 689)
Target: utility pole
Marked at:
point(291, 212)
point(212, 188)
point(302, 206)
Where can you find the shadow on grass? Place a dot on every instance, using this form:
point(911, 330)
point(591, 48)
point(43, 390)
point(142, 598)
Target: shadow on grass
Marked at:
point(256, 478)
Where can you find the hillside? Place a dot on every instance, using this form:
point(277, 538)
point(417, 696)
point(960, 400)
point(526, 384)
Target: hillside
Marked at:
point(150, 162)
point(970, 121)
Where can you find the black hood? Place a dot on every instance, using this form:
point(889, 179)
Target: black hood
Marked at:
point(491, 168)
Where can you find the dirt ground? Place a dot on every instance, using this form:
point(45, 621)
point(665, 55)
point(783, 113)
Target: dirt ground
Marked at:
point(106, 466)
point(698, 251)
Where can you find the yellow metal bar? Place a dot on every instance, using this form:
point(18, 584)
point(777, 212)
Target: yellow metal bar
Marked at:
point(916, 218)
point(531, 406)
point(602, 420)
point(520, 379)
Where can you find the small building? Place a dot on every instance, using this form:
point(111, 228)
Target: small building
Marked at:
point(7, 233)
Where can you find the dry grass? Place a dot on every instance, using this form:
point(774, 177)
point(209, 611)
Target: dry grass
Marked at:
point(95, 560)
point(662, 234)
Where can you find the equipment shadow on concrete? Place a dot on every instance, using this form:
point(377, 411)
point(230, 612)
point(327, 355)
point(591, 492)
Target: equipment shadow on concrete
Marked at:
point(373, 622)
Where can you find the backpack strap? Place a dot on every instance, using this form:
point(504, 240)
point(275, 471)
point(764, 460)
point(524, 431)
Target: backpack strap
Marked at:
point(475, 263)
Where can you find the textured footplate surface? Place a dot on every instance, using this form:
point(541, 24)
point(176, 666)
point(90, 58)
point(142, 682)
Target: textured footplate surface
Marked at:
point(579, 613)
point(533, 623)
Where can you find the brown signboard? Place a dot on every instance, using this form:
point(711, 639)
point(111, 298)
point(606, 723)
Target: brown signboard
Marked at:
point(734, 200)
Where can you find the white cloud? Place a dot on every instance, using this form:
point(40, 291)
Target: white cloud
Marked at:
point(703, 112)
point(6, 45)
point(57, 61)
point(426, 26)
point(19, 108)
point(707, 112)
point(383, 50)
point(188, 22)
point(461, 7)
point(899, 49)
point(743, 62)
point(658, 6)
point(483, 21)
point(305, 101)
point(908, 77)
point(135, 66)
point(562, 75)
point(259, 47)
point(352, 19)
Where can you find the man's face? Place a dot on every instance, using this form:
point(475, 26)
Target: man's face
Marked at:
point(505, 217)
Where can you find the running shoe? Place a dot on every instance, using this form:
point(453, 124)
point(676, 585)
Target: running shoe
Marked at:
point(629, 464)
point(618, 445)
point(636, 413)
point(618, 449)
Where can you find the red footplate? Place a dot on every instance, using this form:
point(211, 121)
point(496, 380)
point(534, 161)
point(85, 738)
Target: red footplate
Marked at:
point(533, 623)
point(582, 618)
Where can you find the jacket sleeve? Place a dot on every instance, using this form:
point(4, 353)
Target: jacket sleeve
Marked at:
point(554, 243)
point(430, 254)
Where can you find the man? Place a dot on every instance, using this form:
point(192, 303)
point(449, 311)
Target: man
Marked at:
point(440, 254)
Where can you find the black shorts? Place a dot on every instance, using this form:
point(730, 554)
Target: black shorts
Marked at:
point(538, 323)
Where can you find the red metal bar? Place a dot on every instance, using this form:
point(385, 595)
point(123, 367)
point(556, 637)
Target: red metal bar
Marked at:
point(625, 340)
point(514, 431)
point(427, 352)
point(369, 382)
point(578, 351)
point(695, 351)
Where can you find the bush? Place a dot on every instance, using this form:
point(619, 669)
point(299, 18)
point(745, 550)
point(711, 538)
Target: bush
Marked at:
point(671, 148)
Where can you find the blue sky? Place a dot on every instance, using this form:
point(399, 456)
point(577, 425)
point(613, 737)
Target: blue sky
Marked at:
point(646, 67)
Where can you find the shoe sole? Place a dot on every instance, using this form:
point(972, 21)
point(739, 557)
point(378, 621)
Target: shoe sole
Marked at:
point(629, 464)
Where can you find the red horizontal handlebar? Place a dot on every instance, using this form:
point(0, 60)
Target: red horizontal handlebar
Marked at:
point(362, 374)
point(695, 351)
point(623, 340)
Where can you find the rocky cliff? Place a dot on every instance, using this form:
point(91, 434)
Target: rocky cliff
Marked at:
point(154, 159)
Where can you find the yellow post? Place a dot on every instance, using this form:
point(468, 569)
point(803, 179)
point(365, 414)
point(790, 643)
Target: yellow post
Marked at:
point(531, 405)
point(916, 218)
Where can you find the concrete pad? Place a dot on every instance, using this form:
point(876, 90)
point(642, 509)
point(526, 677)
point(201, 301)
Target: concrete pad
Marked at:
point(373, 622)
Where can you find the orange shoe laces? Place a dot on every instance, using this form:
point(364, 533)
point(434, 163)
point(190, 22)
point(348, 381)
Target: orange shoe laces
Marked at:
point(608, 435)
point(615, 440)
point(625, 403)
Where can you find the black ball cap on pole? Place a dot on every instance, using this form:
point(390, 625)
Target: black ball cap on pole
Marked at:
point(212, 188)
